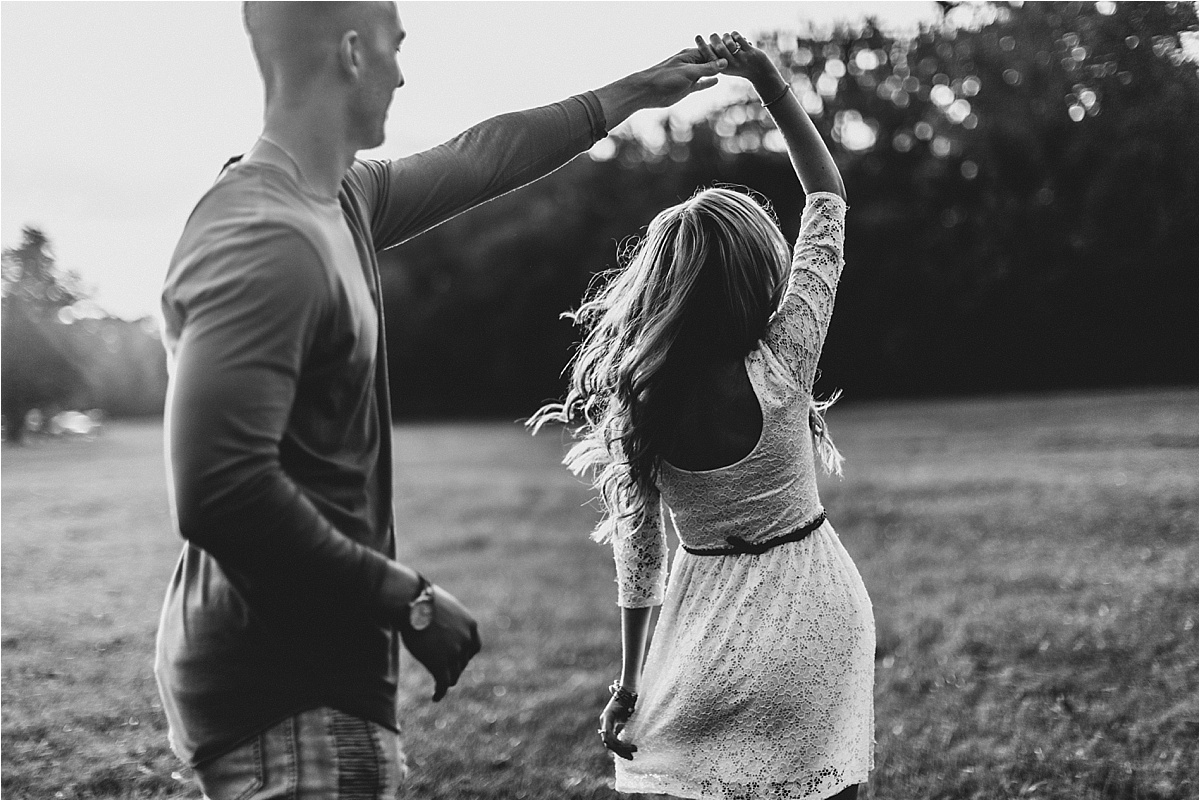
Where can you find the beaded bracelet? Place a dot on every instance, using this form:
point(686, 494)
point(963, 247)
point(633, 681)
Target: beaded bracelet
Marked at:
point(626, 699)
point(787, 88)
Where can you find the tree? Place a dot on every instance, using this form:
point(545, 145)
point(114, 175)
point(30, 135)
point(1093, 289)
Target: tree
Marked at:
point(1023, 215)
point(31, 275)
point(37, 362)
point(1023, 184)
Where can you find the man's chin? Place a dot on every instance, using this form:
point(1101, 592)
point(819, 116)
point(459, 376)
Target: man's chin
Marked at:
point(379, 137)
point(371, 142)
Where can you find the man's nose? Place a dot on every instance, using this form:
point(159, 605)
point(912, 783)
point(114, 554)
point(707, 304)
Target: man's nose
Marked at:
point(399, 79)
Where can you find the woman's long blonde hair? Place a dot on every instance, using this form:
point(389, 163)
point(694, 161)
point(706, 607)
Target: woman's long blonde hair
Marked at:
point(701, 284)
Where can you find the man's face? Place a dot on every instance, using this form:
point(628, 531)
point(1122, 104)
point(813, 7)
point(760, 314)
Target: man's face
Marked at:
point(380, 76)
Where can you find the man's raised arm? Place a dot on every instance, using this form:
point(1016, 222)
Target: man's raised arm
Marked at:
point(413, 194)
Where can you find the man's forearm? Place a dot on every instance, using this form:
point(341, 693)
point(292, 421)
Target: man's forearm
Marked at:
point(233, 390)
point(260, 526)
point(621, 98)
point(486, 161)
point(413, 194)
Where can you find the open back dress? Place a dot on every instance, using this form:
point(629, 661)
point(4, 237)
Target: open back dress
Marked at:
point(759, 678)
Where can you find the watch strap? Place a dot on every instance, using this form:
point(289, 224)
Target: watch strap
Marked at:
point(423, 586)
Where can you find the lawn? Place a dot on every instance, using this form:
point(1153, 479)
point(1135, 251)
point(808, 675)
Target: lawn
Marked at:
point(1032, 561)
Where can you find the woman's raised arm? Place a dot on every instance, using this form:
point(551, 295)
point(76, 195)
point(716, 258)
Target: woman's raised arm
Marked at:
point(810, 157)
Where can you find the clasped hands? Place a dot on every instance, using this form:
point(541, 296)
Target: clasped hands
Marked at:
point(690, 70)
point(697, 68)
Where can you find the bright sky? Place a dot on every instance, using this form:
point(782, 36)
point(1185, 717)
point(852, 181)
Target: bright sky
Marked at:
point(117, 115)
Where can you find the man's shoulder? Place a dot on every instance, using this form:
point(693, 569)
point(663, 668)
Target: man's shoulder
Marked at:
point(249, 208)
point(367, 179)
point(249, 223)
point(250, 197)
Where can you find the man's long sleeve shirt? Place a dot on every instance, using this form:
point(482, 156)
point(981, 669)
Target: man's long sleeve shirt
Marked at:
point(278, 425)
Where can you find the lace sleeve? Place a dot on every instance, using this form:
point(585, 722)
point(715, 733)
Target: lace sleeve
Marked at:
point(797, 331)
point(641, 557)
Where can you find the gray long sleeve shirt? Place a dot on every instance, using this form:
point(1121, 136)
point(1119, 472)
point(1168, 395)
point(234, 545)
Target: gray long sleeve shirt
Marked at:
point(286, 596)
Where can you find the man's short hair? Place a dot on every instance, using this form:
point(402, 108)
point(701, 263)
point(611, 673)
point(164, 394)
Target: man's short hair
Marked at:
point(293, 40)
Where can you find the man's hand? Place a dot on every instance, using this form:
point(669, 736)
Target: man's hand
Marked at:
point(447, 645)
point(661, 85)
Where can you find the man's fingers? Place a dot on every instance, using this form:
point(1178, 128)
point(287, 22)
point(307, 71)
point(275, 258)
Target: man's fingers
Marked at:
point(704, 75)
point(704, 49)
point(710, 67)
point(449, 677)
point(455, 669)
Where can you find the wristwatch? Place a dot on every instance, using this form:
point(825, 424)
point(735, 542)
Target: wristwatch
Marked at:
point(420, 609)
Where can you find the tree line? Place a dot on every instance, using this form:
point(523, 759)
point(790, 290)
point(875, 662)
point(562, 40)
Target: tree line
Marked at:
point(1022, 184)
point(58, 351)
point(1023, 216)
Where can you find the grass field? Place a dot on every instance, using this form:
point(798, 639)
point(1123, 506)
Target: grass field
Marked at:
point(1032, 561)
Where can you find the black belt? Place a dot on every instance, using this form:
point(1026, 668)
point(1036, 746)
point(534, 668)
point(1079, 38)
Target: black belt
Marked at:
point(737, 545)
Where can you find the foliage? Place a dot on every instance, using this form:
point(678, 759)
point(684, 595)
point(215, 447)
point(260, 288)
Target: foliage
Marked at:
point(1032, 563)
point(30, 273)
point(1024, 196)
point(37, 364)
point(125, 364)
point(60, 351)
point(1023, 215)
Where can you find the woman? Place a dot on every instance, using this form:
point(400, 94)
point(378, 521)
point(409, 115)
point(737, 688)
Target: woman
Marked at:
point(694, 387)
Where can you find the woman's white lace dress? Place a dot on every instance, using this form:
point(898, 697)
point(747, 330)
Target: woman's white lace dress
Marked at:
point(758, 682)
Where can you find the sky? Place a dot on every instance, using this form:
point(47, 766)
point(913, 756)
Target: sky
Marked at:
point(115, 117)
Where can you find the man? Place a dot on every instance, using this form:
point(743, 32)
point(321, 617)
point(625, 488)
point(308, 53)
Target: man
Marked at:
point(277, 649)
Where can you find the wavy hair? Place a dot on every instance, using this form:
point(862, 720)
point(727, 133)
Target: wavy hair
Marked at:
point(701, 284)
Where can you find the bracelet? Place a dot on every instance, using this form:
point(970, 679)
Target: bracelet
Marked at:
point(626, 699)
point(787, 87)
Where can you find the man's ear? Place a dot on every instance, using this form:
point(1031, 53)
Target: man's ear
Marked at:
point(350, 55)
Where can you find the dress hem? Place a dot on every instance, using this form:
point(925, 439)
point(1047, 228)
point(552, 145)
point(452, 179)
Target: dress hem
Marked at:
point(685, 788)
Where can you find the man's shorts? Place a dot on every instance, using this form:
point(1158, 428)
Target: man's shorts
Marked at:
point(321, 753)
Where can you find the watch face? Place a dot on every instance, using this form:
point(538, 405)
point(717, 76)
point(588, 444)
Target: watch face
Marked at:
point(420, 614)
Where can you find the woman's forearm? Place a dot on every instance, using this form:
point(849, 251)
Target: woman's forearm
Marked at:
point(635, 629)
point(810, 156)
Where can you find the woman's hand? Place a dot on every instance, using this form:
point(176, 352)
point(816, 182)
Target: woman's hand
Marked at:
point(742, 58)
point(612, 723)
point(810, 156)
